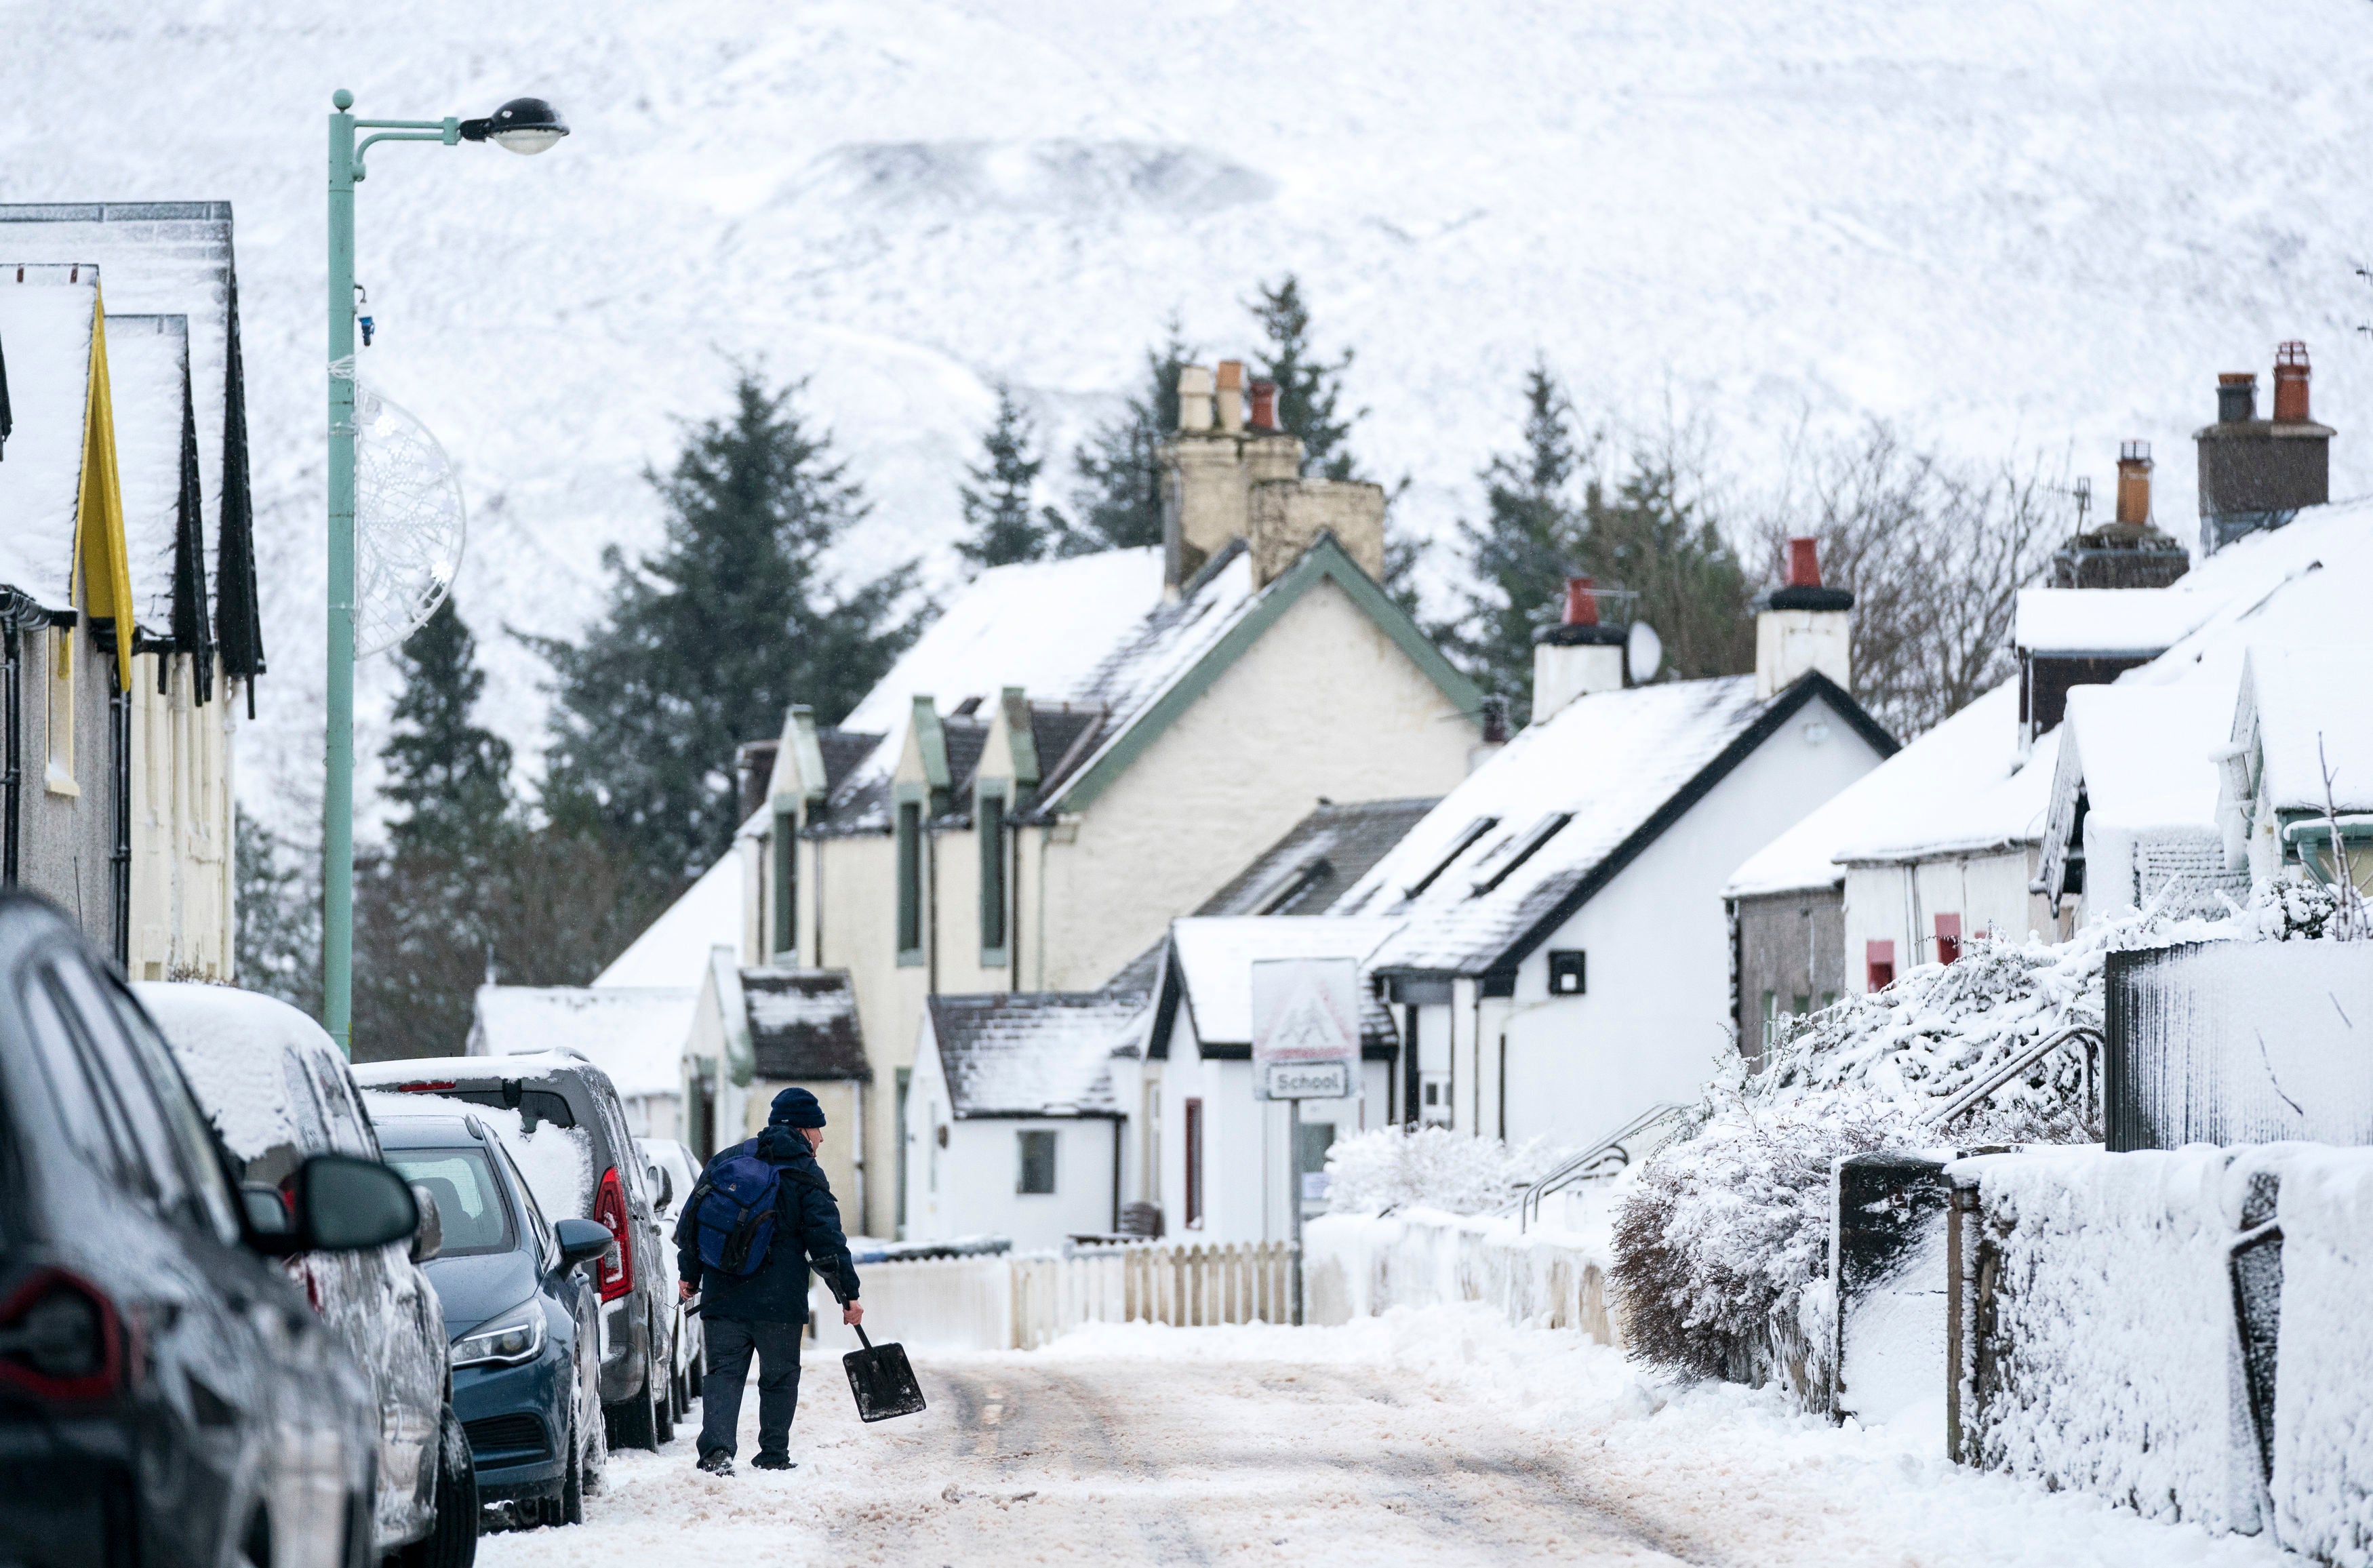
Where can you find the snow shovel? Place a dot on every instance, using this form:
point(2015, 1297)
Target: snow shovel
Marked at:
point(879, 1377)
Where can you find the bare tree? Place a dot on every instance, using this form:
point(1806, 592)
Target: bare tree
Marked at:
point(1935, 555)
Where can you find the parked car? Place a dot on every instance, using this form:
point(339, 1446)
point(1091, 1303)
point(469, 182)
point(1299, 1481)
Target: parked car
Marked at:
point(278, 1091)
point(521, 1315)
point(167, 1396)
point(680, 1172)
point(562, 1089)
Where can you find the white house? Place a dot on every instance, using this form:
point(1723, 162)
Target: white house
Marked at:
point(2131, 816)
point(1563, 961)
point(2300, 765)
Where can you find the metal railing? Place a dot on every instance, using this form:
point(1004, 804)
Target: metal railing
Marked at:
point(1635, 1139)
point(1970, 1097)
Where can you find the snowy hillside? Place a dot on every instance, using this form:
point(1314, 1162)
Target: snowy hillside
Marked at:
point(2026, 225)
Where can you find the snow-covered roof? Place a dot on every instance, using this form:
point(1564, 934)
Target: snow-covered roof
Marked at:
point(1972, 794)
point(1214, 960)
point(1566, 805)
point(803, 1024)
point(2145, 756)
point(674, 950)
point(46, 316)
point(231, 1044)
point(1319, 858)
point(2106, 620)
point(1031, 1053)
point(2305, 585)
point(147, 378)
point(634, 1034)
point(1888, 802)
point(2311, 707)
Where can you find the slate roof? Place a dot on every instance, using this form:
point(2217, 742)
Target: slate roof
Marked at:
point(1032, 1053)
point(803, 1024)
point(1529, 836)
point(1319, 859)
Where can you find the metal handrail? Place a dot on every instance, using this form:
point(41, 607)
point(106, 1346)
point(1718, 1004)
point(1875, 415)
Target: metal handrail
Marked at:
point(1969, 1098)
point(1527, 1205)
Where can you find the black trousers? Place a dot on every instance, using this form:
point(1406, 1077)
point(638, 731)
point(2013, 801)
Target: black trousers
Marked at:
point(730, 1343)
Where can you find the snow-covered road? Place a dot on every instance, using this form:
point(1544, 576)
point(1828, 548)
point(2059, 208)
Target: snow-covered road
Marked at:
point(1439, 1437)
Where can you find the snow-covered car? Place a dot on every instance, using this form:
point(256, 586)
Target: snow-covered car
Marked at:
point(278, 1091)
point(167, 1397)
point(674, 1162)
point(590, 1169)
point(523, 1319)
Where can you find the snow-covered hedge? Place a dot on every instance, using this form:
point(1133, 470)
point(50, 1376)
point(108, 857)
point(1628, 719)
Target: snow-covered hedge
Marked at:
point(1433, 1167)
point(2322, 1487)
point(1361, 1265)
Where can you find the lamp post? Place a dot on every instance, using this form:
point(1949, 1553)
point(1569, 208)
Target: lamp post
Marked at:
point(522, 125)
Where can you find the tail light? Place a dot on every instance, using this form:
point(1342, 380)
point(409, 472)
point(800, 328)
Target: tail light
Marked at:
point(616, 1272)
point(61, 1338)
point(430, 1086)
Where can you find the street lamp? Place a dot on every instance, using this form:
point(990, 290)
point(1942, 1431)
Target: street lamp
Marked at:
point(525, 125)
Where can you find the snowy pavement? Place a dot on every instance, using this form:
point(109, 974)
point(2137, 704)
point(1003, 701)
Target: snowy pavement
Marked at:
point(1437, 1436)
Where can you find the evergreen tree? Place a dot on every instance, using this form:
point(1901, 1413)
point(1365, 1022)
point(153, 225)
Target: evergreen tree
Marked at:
point(278, 943)
point(1518, 558)
point(1119, 469)
point(997, 504)
point(1648, 536)
point(1309, 389)
point(451, 778)
point(706, 643)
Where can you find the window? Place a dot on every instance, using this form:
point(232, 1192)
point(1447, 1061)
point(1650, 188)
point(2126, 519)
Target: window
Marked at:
point(1949, 939)
point(910, 882)
point(1524, 849)
point(60, 778)
point(1036, 1172)
point(123, 1086)
point(787, 885)
point(989, 821)
point(1458, 846)
point(1312, 1140)
point(1879, 959)
point(1569, 974)
point(1771, 1019)
point(464, 1186)
point(1194, 1141)
point(1804, 1005)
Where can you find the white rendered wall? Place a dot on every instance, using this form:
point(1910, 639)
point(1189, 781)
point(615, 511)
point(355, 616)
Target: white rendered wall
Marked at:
point(1901, 902)
point(1656, 1021)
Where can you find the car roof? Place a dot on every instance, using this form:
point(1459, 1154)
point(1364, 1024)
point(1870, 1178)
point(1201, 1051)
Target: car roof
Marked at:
point(429, 1130)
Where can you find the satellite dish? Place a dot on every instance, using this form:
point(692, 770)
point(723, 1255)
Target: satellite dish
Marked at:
point(1644, 650)
point(410, 524)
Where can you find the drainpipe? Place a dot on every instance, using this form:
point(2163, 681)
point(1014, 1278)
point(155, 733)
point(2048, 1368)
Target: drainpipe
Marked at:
point(1045, 836)
point(16, 615)
point(118, 855)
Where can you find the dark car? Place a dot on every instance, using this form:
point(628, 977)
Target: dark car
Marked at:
point(277, 1092)
point(167, 1396)
point(519, 1311)
point(561, 1089)
point(677, 1174)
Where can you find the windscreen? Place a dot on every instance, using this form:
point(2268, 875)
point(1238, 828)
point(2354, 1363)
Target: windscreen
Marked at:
point(469, 1205)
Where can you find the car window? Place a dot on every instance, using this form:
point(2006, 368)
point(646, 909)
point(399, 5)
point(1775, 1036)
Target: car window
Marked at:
point(536, 1222)
point(87, 1126)
point(185, 1121)
point(304, 1103)
point(124, 1088)
point(348, 1132)
point(469, 1209)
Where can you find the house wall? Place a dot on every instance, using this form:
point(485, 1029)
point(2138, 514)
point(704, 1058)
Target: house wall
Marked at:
point(182, 893)
point(67, 819)
point(968, 1188)
point(843, 1103)
point(1901, 902)
point(1791, 945)
point(1655, 1021)
point(1324, 704)
point(851, 906)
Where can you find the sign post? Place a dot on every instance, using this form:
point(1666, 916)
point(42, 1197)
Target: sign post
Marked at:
point(1305, 1047)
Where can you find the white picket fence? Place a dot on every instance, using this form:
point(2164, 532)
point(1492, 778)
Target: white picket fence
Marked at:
point(1023, 1301)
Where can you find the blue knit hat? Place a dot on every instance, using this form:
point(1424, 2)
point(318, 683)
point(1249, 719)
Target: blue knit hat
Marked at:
point(795, 1107)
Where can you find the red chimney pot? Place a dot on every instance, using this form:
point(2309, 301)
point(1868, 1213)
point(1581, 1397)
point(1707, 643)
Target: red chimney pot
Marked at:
point(1803, 564)
point(2291, 382)
point(1264, 405)
point(1581, 603)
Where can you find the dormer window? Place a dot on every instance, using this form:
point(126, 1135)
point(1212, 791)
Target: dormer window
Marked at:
point(1459, 846)
point(1524, 849)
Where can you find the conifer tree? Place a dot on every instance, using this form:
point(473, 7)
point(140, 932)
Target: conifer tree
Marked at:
point(1117, 471)
point(1518, 558)
point(1005, 528)
point(705, 642)
point(451, 778)
point(1649, 536)
point(1309, 389)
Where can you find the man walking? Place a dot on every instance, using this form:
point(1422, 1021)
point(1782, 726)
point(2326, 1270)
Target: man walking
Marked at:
point(763, 1309)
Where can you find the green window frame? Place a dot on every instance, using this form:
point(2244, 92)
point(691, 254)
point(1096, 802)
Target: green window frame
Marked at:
point(989, 825)
point(787, 887)
point(1033, 1174)
point(910, 880)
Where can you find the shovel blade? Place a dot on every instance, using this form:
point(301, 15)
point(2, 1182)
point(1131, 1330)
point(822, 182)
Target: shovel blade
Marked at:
point(882, 1382)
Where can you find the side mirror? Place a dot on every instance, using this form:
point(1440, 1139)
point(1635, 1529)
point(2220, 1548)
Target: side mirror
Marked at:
point(429, 1239)
point(580, 1241)
point(664, 1184)
point(342, 1204)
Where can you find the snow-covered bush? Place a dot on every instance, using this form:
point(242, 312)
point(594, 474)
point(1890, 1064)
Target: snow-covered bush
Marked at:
point(1431, 1168)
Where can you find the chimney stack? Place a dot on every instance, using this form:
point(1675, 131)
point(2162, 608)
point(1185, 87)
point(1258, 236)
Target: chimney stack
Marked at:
point(2290, 383)
point(1232, 396)
point(1577, 657)
point(1803, 628)
point(1264, 406)
point(1495, 732)
point(2236, 397)
point(2134, 484)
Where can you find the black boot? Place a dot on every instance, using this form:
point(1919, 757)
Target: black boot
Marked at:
point(718, 1462)
point(774, 1462)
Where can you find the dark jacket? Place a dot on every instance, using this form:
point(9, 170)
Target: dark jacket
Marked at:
point(807, 1231)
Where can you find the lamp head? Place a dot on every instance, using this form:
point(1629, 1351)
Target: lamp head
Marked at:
point(524, 125)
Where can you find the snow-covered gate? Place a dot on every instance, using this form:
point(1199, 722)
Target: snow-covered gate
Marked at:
point(2181, 1332)
point(1021, 1301)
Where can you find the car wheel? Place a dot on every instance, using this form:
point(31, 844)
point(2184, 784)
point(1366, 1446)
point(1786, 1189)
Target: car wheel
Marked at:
point(630, 1423)
point(453, 1539)
point(597, 1461)
point(572, 1484)
point(661, 1393)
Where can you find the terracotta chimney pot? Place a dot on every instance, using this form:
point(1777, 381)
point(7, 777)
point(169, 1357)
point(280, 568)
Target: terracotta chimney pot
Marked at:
point(1264, 405)
point(2134, 483)
point(2290, 383)
point(1232, 394)
point(1803, 564)
point(1580, 602)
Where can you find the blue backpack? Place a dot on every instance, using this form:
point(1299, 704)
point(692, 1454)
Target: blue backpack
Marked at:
point(734, 1210)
